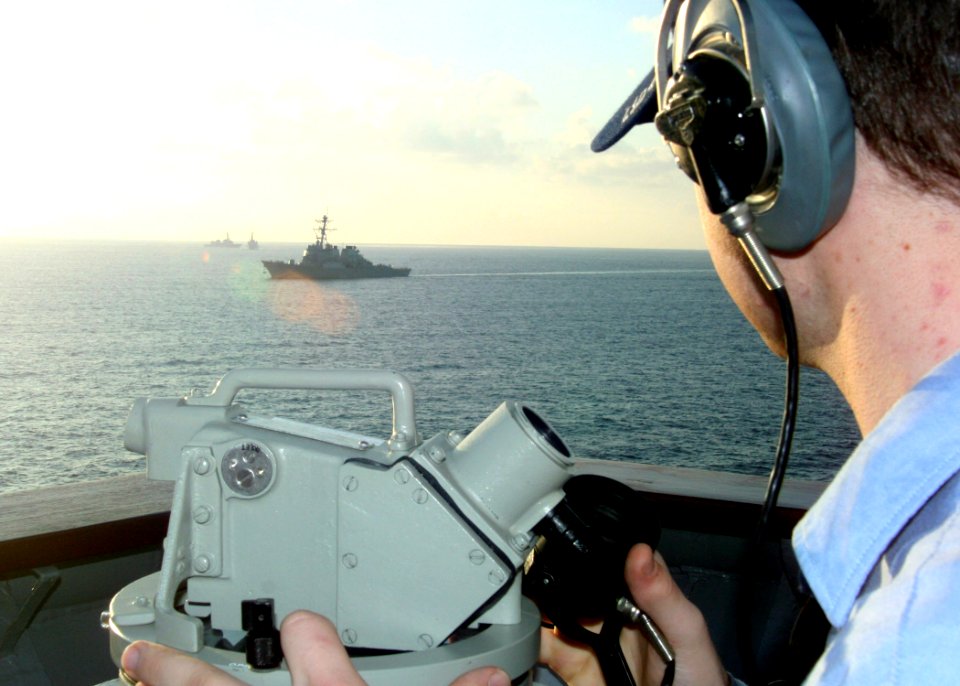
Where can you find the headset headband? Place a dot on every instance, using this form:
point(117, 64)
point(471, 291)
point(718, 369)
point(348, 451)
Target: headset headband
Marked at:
point(763, 65)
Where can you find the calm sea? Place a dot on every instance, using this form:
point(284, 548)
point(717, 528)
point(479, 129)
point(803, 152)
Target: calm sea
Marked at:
point(629, 354)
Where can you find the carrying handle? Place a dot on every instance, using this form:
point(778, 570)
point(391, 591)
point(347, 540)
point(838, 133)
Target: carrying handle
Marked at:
point(404, 436)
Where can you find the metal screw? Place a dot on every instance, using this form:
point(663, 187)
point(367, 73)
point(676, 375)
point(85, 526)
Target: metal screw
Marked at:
point(201, 563)
point(201, 466)
point(350, 483)
point(426, 640)
point(496, 577)
point(401, 475)
point(521, 541)
point(349, 560)
point(477, 557)
point(420, 496)
point(202, 514)
point(348, 636)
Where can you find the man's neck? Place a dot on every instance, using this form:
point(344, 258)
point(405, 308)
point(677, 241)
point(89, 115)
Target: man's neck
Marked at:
point(891, 274)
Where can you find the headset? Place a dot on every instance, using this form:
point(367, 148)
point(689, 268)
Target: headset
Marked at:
point(750, 101)
point(747, 95)
point(748, 98)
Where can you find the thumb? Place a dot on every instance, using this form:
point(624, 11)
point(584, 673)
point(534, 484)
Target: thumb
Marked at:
point(656, 593)
point(314, 654)
point(150, 663)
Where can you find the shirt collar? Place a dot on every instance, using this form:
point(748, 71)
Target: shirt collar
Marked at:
point(911, 453)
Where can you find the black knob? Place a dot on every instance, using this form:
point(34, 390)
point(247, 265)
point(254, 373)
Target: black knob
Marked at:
point(263, 640)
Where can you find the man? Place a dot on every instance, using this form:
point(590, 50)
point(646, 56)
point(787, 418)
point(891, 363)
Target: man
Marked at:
point(877, 299)
point(877, 303)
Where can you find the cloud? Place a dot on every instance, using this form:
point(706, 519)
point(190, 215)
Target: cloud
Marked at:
point(641, 159)
point(468, 145)
point(399, 104)
point(484, 120)
point(648, 166)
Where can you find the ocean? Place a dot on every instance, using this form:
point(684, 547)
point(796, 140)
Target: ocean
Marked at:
point(635, 355)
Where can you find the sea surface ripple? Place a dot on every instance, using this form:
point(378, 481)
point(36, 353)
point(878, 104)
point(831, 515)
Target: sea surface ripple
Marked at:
point(629, 354)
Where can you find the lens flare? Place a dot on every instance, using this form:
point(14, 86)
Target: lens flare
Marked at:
point(315, 304)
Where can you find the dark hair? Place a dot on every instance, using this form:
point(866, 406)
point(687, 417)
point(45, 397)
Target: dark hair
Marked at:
point(901, 63)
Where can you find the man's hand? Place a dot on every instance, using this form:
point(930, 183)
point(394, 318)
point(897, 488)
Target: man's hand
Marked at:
point(653, 590)
point(313, 652)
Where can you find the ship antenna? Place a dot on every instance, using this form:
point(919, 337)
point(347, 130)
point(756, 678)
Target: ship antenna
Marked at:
point(321, 231)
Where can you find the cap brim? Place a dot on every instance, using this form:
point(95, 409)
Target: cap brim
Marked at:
point(639, 108)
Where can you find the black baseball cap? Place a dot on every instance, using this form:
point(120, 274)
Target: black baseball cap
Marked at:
point(639, 108)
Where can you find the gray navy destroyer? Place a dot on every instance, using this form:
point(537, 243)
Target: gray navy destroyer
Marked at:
point(322, 261)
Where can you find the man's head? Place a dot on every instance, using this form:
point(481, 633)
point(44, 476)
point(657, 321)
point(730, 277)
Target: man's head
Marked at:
point(874, 296)
point(901, 63)
point(747, 94)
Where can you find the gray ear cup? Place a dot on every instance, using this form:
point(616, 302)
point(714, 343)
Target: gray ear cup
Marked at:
point(804, 106)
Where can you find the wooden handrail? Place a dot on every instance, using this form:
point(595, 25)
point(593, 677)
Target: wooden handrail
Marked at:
point(66, 523)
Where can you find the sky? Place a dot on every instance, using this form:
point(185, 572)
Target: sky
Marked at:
point(415, 122)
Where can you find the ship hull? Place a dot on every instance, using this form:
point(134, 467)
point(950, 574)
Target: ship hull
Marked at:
point(286, 270)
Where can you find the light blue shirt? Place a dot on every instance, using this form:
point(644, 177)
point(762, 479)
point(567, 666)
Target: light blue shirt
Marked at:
point(881, 547)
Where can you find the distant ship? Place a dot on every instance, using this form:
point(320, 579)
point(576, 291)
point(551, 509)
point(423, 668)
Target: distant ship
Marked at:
point(324, 261)
point(252, 243)
point(225, 243)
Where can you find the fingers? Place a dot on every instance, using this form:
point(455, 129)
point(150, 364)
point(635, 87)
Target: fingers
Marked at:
point(574, 662)
point(485, 676)
point(156, 665)
point(314, 654)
